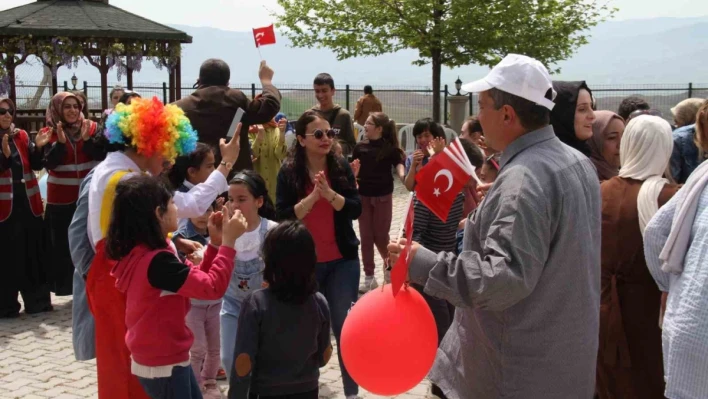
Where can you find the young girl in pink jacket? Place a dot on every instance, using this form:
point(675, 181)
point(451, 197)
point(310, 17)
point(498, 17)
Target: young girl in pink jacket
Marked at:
point(158, 287)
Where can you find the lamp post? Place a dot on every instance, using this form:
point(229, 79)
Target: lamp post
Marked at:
point(457, 105)
point(74, 80)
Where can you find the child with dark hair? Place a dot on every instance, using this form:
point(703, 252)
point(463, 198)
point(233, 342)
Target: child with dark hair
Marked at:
point(340, 120)
point(378, 154)
point(188, 171)
point(247, 193)
point(192, 169)
point(439, 236)
point(203, 317)
point(283, 332)
point(157, 286)
point(425, 131)
point(490, 169)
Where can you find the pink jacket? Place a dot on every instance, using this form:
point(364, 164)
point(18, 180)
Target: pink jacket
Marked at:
point(155, 319)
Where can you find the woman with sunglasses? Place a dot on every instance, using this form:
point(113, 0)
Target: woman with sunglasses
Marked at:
point(69, 154)
point(317, 187)
point(22, 240)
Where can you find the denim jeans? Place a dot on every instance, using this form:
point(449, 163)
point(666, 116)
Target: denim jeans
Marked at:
point(247, 277)
point(338, 281)
point(182, 384)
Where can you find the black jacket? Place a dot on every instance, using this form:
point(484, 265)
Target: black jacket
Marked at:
point(286, 198)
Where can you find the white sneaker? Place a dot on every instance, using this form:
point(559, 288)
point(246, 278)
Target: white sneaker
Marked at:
point(387, 276)
point(368, 284)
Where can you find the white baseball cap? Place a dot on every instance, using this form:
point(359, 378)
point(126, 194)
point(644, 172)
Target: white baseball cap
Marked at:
point(518, 75)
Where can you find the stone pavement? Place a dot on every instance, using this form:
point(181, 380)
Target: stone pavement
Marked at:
point(37, 358)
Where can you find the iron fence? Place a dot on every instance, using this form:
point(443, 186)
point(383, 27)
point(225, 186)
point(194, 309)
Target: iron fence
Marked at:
point(404, 104)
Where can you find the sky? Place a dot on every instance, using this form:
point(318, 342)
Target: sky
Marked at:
point(242, 15)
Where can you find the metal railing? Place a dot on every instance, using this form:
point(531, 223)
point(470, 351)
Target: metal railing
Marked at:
point(404, 104)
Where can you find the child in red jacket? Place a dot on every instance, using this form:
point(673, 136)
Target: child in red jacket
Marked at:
point(158, 286)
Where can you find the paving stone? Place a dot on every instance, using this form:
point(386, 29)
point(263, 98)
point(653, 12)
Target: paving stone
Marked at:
point(37, 359)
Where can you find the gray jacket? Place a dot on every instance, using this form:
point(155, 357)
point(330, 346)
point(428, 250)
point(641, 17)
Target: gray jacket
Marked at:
point(527, 282)
point(82, 254)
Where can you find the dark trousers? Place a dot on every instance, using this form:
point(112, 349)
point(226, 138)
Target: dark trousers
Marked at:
point(305, 395)
point(443, 312)
point(35, 297)
point(182, 384)
point(58, 218)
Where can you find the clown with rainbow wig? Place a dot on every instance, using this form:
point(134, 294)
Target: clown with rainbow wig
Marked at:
point(149, 135)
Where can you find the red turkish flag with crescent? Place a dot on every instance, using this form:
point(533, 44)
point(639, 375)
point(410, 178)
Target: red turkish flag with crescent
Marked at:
point(439, 182)
point(264, 36)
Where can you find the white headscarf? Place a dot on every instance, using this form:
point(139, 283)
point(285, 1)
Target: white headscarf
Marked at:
point(645, 151)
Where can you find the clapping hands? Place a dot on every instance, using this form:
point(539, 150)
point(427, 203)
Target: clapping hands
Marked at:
point(226, 227)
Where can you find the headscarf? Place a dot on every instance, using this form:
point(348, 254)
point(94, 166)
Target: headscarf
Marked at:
point(14, 111)
point(151, 128)
point(54, 114)
point(563, 113)
point(677, 244)
point(645, 151)
point(605, 170)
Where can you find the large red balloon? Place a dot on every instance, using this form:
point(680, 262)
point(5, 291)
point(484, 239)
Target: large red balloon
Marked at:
point(388, 344)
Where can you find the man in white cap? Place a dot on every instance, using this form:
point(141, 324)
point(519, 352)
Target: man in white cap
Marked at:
point(527, 283)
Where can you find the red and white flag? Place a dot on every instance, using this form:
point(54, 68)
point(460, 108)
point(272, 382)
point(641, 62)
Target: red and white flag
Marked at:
point(440, 181)
point(264, 36)
point(400, 269)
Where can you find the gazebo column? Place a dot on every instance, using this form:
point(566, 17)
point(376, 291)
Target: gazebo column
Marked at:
point(129, 76)
point(102, 67)
point(53, 69)
point(171, 84)
point(10, 65)
point(178, 79)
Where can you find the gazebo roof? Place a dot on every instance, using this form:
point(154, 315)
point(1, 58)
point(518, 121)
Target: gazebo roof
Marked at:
point(83, 19)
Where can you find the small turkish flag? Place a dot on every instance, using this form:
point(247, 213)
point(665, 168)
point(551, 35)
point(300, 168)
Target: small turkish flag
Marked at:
point(264, 36)
point(440, 181)
point(400, 269)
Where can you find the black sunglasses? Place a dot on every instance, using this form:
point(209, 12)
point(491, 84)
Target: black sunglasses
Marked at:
point(3, 111)
point(319, 134)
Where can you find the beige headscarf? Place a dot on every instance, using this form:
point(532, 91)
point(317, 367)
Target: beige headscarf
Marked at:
point(605, 170)
point(645, 151)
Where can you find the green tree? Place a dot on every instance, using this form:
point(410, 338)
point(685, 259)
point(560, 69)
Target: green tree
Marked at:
point(445, 32)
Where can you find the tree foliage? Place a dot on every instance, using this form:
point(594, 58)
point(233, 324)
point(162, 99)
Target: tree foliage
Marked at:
point(445, 32)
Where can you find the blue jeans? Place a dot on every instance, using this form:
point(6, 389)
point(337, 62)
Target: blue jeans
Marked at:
point(338, 281)
point(182, 384)
point(246, 278)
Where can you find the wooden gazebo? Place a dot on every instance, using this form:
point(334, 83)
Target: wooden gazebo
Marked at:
point(61, 32)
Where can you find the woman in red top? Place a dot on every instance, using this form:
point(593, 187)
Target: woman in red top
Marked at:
point(22, 238)
point(317, 187)
point(69, 155)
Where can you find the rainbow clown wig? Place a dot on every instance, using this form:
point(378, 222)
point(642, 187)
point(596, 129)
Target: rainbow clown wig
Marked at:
point(151, 128)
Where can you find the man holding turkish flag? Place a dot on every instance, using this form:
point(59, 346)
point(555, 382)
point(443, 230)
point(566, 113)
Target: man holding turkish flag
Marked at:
point(526, 285)
point(264, 36)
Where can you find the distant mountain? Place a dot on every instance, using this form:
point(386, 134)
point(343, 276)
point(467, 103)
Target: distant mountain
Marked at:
point(659, 51)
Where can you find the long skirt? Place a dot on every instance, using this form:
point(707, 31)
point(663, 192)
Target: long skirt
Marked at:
point(107, 304)
point(58, 218)
point(23, 245)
